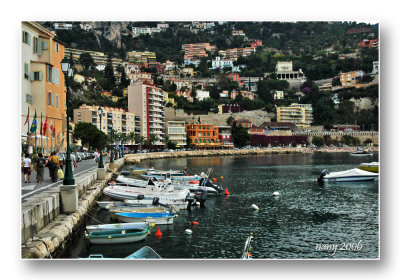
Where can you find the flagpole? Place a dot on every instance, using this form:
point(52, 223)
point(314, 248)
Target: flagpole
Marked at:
point(47, 142)
point(29, 137)
point(51, 140)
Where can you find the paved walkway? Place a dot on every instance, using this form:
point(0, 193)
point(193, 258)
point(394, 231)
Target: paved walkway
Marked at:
point(28, 189)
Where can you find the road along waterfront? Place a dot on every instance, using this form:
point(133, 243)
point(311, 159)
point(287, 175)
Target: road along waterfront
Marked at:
point(307, 219)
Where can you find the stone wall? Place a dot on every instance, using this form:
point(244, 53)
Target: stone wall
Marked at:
point(257, 117)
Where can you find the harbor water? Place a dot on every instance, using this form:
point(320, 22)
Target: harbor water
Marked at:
point(307, 220)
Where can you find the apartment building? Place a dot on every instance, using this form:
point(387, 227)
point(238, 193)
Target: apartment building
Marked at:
point(238, 33)
point(369, 43)
point(117, 119)
point(221, 63)
point(141, 57)
point(225, 136)
point(257, 43)
point(248, 94)
point(98, 57)
point(299, 114)
point(137, 31)
point(177, 132)
point(203, 136)
point(350, 79)
point(42, 82)
point(146, 101)
point(235, 53)
point(197, 50)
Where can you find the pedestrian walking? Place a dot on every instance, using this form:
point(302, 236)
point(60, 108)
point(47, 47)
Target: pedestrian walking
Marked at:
point(40, 163)
point(73, 159)
point(54, 165)
point(27, 167)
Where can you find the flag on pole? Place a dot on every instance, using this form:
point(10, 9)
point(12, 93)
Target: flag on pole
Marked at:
point(44, 129)
point(27, 117)
point(34, 124)
point(52, 129)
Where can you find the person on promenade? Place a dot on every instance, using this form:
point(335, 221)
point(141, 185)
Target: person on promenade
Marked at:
point(27, 165)
point(73, 159)
point(54, 165)
point(40, 163)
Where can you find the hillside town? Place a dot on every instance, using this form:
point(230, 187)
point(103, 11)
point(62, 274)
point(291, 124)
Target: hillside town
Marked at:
point(210, 99)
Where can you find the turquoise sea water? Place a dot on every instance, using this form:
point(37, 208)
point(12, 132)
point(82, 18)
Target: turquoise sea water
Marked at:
point(307, 220)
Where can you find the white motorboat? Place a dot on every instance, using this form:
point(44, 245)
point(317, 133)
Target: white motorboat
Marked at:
point(150, 191)
point(350, 175)
point(192, 186)
point(361, 153)
point(156, 218)
point(119, 226)
point(371, 167)
point(179, 204)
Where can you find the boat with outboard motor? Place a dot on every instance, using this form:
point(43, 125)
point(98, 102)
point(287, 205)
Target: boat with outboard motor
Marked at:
point(151, 190)
point(113, 210)
point(212, 189)
point(350, 175)
point(371, 167)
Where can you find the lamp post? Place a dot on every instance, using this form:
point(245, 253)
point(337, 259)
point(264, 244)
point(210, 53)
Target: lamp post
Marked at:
point(112, 150)
point(100, 113)
point(68, 70)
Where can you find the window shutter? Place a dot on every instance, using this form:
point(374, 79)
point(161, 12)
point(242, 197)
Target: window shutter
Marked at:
point(39, 47)
point(45, 45)
point(27, 99)
point(48, 73)
point(57, 81)
point(29, 39)
point(53, 75)
point(40, 75)
point(31, 99)
point(32, 76)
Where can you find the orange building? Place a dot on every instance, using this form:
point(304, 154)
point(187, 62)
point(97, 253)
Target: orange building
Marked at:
point(197, 50)
point(203, 136)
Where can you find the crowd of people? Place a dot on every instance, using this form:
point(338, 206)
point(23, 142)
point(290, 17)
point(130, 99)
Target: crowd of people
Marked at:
point(39, 163)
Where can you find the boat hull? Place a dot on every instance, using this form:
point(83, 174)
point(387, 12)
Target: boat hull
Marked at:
point(122, 226)
point(155, 220)
point(351, 179)
point(112, 237)
point(361, 154)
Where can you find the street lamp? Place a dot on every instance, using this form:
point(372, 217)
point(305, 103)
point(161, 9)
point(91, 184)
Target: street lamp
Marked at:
point(112, 150)
point(100, 113)
point(68, 70)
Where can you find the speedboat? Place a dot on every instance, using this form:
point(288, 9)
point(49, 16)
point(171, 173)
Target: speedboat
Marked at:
point(371, 167)
point(120, 226)
point(361, 153)
point(156, 218)
point(350, 175)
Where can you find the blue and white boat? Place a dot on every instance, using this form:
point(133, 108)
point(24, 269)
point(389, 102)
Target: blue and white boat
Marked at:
point(156, 218)
point(120, 226)
point(351, 175)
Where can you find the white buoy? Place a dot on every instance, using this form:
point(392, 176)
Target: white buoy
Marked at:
point(188, 231)
point(275, 194)
point(255, 207)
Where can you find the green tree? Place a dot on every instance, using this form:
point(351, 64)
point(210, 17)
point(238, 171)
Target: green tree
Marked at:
point(318, 141)
point(229, 120)
point(87, 61)
point(109, 75)
point(240, 135)
point(87, 133)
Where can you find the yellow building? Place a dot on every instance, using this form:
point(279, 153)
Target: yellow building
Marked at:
point(43, 87)
point(141, 57)
point(348, 79)
point(299, 114)
point(98, 57)
point(113, 118)
point(167, 99)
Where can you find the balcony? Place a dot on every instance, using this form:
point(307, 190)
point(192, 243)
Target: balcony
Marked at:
point(137, 129)
point(137, 118)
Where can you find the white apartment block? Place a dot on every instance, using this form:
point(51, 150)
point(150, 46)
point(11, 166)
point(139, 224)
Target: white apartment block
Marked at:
point(177, 132)
point(146, 101)
point(202, 94)
point(221, 63)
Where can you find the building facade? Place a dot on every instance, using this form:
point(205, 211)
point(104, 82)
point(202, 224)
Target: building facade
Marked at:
point(141, 57)
point(235, 53)
point(350, 79)
point(177, 133)
point(146, 102)
point(284, 71)
point(112, 119)
point(98, 57)
point(221, 63)
point(203, 136)
point(225, 136)
point(197, 50)
point(299, 114)
point(43, 87)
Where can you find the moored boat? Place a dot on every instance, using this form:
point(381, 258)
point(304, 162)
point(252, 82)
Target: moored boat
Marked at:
point(371, 167)
point(351, 175)
point(133, 209)
point(156, 218)
point(117, 236)
point(361, 153)
point(119, 226)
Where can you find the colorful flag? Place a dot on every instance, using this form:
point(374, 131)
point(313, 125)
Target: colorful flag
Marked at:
point(27, 117)
point(44, 129)
point(34, 124)
point(52, 129)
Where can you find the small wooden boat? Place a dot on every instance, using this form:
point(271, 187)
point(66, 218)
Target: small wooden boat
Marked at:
point(156, 218)
point(371, 167)
point(121, 226)
point(104, 204)
point(117, 236)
